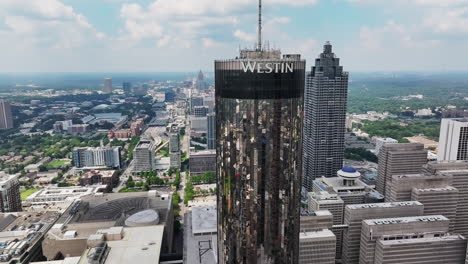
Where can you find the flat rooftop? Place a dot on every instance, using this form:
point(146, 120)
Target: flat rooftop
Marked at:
point(412, 219)
point(204, 220)
point(325, 233)
point(384, 205)
point(428, 238)
point(139, 245)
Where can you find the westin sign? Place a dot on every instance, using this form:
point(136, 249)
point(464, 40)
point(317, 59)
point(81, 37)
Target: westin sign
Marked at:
point(267, 67)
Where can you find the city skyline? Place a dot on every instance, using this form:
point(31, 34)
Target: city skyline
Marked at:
point(96, 36)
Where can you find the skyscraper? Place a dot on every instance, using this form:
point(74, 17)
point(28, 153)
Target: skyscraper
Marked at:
point(453, 142)
point(10, 194)
point(394, 159)
point(211, 131)
point(6, 118)
point(127, 88)
point(200, 83)
point(107, 86)
point(324, 118)
point(259, 101)
point(174, 149)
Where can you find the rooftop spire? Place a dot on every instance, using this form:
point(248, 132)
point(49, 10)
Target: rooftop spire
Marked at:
point(259, 40)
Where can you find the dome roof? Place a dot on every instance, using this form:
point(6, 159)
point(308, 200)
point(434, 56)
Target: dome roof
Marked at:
point(143, 218)
point(349, 169)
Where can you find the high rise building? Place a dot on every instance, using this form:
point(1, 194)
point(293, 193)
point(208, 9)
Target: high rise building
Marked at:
point(439, 201)
point(400, 186)
point(6, 118)
point(144, 156)
point(200, 83)
point(195, 101)
point(200, 111)
point(211, 131)
point(10, 194)
point(317, 247)
point(324, 118)
point(394, 159)
point(97, 157)
point(316, 220)
point(458, 172)
point(127, 88)
point(356, 213)
point(375, 229)
point(426, 248)
point(174, 149)
point(379, 142)
point(107, 86)
point(325, 201)
point(259, 103)
point(453, 140)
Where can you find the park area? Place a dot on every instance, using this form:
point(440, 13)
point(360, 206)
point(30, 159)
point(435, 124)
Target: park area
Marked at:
point(26, 193)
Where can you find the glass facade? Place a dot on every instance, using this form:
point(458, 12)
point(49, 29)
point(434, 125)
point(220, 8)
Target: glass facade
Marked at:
point(259, 159)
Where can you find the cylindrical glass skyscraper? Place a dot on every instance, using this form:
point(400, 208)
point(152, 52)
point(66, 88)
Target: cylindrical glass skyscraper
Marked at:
point(259, 110)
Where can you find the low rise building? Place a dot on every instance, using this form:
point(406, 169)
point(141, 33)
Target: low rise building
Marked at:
point(202, 161)
point(97, 177)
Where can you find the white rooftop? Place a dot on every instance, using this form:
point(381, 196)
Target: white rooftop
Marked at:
point(204, 220)
point(324, 233)
point(428, 238)
point(384, 205)
point(399, 220)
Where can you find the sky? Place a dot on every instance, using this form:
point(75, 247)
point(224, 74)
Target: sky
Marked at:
point(187, 35)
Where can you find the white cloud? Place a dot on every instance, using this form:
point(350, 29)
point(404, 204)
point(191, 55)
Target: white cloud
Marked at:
point(448, 21)
point(244, 36)
point(429, 3)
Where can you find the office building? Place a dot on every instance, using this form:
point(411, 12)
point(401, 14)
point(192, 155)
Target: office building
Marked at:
point(211, 131)
point(95, 177)
point(195, 101)
point(169, 97)
point(144, 156)
point(379, 142)
point(202, 161)
point(453, 140)
point(127, 88)
point(200, 111)
point(373, 230)
point(458, 172)
point(6, 118)
point(401, 186)
point(438, 201)
point(209, 101)
point(326, 201)
point(356, 213)
point(200, 83)
point(107, 86)
point(347, 185)
point(22, 235)
point(316, 220)
point(174, 149)
point(198, 124)
point(259, 102)
point(9, 193)
point(100, 157)
point(425, 249)
point(394, 159)
point(317, 247)
point(324, 118)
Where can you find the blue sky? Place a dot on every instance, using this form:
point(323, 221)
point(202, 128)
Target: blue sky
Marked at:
point(185, 35)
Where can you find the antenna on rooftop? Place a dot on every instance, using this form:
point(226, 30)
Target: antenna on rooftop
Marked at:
point(259, 40)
